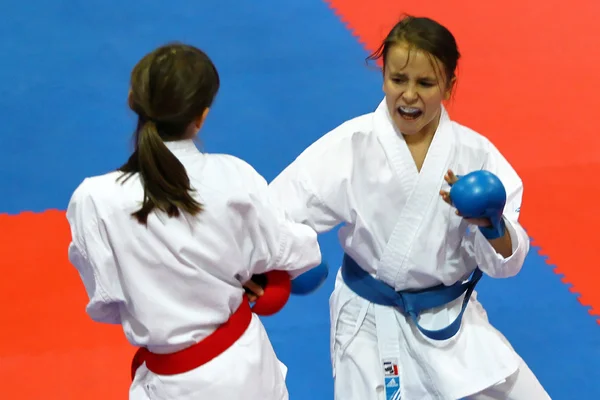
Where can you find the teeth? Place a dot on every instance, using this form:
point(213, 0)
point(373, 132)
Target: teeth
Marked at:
point(409, 110)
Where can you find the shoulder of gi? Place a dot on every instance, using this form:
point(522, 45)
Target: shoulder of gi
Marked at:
point(486, 153)
point(470, 138)
point(235, 169)
point(92, 195)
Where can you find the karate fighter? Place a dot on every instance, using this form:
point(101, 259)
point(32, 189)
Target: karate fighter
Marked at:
point(165, 244)
point(405, 321)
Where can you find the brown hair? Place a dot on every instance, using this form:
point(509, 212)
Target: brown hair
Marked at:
point(170, 88)
point(423, 34)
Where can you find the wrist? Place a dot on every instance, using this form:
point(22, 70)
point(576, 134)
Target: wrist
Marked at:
point(495, 231)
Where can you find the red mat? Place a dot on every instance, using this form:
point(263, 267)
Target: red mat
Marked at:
point(49, 343)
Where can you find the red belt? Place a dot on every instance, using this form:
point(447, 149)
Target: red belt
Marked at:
point(199, 354)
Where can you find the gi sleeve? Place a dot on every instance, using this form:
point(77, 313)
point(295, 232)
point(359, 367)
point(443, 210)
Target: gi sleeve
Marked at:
point(488, 259)
point(315, 187)
point(271, 239)
point(90, 253)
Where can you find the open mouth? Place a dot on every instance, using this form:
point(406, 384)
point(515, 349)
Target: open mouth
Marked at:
point(409, 113)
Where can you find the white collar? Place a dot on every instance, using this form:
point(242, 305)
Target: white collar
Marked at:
point(183, 147)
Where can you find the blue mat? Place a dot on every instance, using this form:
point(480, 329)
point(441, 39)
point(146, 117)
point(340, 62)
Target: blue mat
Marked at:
point(290, 72)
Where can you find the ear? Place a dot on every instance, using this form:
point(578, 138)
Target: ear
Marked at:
point(450, 89)
point(129, 99)
point(199, 121)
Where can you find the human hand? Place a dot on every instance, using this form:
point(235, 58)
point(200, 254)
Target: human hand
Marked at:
point(451, 178)
point(255, 287)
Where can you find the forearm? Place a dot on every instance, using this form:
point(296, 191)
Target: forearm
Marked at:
point(503, 245)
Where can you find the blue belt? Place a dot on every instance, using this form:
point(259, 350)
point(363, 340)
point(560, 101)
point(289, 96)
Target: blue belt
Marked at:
point(410, 302)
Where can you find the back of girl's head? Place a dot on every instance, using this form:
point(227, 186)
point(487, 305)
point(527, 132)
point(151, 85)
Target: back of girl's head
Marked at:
point(171, 90)
point(423, 34)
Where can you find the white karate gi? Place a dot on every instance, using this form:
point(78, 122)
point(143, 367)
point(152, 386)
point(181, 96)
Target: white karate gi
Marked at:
point(398, 228)
point(172, 283)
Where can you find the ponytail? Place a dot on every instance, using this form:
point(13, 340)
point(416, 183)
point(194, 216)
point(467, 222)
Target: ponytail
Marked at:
point(165, 180)
point(170, 88)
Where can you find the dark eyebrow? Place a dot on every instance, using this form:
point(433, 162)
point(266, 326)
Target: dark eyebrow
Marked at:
point(422, 78)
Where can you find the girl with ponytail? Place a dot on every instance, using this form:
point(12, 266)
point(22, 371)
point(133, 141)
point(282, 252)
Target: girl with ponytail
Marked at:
point(165, 244)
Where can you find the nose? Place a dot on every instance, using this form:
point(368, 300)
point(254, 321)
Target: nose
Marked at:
point(410, 95)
